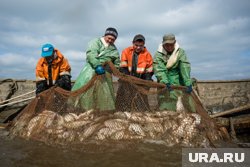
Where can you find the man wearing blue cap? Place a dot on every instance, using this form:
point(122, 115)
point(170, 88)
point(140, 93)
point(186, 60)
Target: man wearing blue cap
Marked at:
point(52, 69)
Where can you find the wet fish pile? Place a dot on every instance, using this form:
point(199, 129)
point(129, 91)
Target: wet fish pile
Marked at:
point(170, 127)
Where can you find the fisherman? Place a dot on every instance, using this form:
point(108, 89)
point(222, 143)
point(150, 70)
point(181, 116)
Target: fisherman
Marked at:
point(171, 67)
point(52, 69)
point(135, 61)
point(99, 51)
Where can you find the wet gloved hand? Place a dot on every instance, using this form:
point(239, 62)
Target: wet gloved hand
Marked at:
point(189, 89)
point(169, 87)
point(147, 76)
point(99, 70)
point(41, 86)
point(124, 70)
point(64, 82)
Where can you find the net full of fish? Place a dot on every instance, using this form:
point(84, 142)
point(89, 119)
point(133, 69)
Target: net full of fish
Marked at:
point(87, 115)
point(171, 128)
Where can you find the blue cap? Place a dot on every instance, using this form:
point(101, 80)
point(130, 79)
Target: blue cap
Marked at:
point(47, 50)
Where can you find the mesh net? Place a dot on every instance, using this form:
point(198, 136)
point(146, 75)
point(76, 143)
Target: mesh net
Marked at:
point(129, 110)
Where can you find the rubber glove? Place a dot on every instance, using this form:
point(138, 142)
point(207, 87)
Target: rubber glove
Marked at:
point(189, 89)
point(99, 70)
point(169, 87)
point(64, 82)
point(41, 86)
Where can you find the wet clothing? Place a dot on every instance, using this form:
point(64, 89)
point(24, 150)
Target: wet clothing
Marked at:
point(173, 68)
point(139, 65)
point(98, 52)
point(56, 72)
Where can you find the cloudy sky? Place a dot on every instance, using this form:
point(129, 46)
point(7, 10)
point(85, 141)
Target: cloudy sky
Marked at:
point(214, 33)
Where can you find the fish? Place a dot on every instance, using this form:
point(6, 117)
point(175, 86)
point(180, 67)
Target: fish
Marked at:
point(119, 135)
point(136, 129)
point(197, 118)
point(32, 124)
point(170, 127)
point(88, 132)
point(75, 124)
point(70, 117)
point(105, 133)
point(117, 124)
point(179, 105)
point(39, 122)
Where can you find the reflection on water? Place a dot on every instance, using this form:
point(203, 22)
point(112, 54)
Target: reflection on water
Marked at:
point(22, 153)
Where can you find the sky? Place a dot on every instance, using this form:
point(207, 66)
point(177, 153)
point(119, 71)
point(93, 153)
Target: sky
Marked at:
point(215, 34)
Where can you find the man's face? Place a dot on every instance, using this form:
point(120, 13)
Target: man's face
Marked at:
point(109, 39)
point(138, 46)
point(169, 47)
point(49, 59)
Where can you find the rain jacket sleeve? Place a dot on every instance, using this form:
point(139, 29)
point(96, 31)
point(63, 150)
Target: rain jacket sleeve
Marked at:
point(40, 75)
point(160, 69)
point(115, 58)
point(185, 68)
point(65, 67)
point(149, 67)
point(179, 73)
point(92, 52)
point(97, 54)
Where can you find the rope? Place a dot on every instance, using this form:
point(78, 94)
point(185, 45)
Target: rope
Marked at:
point(14, 102)
point(12, 89)
point(2, 102)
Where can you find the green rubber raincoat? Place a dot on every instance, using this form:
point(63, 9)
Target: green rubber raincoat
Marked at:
point(174, 69)
point(101, 95)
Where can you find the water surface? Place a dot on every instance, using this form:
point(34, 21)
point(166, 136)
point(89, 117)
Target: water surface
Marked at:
point(23, 153)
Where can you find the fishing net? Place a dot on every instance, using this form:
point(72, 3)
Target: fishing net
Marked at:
point(103, 111)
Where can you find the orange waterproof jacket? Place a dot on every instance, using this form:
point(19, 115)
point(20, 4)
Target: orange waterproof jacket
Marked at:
point(60, 66)
point(145, 60)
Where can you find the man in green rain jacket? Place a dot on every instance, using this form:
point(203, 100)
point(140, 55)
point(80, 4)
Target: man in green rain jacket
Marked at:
point(171, 67)
point(99, 51)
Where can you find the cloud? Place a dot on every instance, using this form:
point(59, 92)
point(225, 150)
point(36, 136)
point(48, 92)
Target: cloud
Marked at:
point(214, 35)
point(17, 66)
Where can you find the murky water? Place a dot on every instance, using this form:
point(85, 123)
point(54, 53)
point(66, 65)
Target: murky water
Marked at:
point(22, 153)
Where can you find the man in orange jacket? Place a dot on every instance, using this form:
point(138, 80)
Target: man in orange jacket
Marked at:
point(52, 69)
point(138, 62)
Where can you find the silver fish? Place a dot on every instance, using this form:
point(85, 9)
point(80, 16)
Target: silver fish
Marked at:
point(136, 129)
point(118, 135)
point(117, 124)
point(88, 131)
point(179, 105)
point(70, 117)
point(105, 133)
point(75, 124)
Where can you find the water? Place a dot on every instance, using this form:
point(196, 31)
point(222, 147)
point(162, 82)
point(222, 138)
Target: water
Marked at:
point(22, 153)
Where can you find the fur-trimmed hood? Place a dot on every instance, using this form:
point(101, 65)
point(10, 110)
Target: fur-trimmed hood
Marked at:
point(173, 57)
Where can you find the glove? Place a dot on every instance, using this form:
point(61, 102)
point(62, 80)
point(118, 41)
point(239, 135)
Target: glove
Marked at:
point(189, 89)
point(147, 76)
point(169, 87)
point(41, 86)
point(99, 70)
point(64, 82)
point(124, 70)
